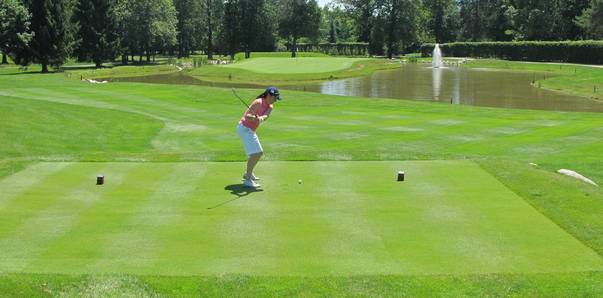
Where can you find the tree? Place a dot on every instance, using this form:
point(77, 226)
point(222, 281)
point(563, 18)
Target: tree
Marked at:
point(53, 33)
point(147, 26)
point(214, 11)
point(299, 18)
point(488, 20)
point(231, 33)
point(400, 23)
point(542, 19)
point(14, 29)
point(163, 27)
point(332, 31)
point(472, 14)
point(591, 20)
point(570, 11)
point(189, 16)
point(443, 19)
point(98, 35)
point(251, 13)
point(363, 12)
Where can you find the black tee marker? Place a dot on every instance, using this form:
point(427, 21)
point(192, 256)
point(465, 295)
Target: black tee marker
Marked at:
point(400, 175)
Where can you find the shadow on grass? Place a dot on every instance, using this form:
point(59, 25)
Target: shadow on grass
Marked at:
point(238, 190)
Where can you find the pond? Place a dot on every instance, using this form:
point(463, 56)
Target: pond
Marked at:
point(450, 85)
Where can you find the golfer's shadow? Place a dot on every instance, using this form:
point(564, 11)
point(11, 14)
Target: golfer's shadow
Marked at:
point(238, 190)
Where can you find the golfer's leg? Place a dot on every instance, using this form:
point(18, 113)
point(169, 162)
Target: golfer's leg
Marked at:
point(252, 162)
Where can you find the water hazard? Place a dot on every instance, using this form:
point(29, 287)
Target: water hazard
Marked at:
point(459, 85)
point(449, 85)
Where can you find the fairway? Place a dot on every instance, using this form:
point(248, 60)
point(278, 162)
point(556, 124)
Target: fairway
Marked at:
point(296, 65)
point(345, 218)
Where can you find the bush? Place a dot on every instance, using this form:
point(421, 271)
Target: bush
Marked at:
point(335, 49)
point(241, 56)
point(588, 52)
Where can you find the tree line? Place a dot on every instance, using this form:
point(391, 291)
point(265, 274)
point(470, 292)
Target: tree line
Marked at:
point(49, 32)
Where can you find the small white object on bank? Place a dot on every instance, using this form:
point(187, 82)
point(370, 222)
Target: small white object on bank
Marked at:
point(576, 175)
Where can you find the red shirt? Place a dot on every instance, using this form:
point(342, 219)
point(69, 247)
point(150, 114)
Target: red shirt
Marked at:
point(262, 107)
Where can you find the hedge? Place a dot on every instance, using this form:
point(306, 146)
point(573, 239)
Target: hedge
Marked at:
point(587, 52)
point(342, 48)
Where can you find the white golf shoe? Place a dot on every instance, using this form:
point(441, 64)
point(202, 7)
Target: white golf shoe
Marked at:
point(253, 177)
point(250, 183)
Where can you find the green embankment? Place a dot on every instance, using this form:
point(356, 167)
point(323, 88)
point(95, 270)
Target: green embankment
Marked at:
point(288, 71)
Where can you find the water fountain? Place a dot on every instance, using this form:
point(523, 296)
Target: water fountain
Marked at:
point(437, 57)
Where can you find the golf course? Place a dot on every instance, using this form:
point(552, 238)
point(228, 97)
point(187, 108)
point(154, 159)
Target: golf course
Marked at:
point(482, 210)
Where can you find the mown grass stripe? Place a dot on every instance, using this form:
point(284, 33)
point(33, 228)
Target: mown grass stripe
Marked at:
point(79, 250)
point(33, 236)
point(249, 241)
point(136, 249)
point(12, 186)
point(36, 199)
point(471, 227)
point(353, 244)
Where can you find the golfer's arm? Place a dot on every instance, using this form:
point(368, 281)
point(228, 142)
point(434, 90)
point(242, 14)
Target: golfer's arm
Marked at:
point(265, 117)
point(251, 112)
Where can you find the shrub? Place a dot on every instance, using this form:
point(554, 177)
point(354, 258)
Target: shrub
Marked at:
point(588, 52)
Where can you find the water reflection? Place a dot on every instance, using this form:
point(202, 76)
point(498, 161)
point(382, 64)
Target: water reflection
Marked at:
point(436, 80)
point(456, 88)
point(459, 85)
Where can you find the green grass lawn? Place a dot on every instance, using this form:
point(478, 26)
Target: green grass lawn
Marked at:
point(295, 66)
point(56, 118)
point(288, 71)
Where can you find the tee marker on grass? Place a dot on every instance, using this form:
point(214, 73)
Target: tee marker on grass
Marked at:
point(100, 180)
point(400, 176)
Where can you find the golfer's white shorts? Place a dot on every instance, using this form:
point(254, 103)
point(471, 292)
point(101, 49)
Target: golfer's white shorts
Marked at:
point(250, 140)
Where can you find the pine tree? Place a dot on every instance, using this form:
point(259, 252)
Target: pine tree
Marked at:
point(214, 12)
point(53, 40)
point(97, 30)
point(189, 23)
point(231, 30)
point(332, 31)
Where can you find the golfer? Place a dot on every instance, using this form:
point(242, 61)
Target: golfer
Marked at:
point(257, 113)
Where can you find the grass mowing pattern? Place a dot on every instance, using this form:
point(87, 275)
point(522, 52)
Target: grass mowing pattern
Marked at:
point(98, 130)
point(346, 218)
point(503, 141)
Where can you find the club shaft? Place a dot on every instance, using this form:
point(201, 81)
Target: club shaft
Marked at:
point(235, 94)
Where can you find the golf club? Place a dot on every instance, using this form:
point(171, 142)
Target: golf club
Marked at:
point(235, 93)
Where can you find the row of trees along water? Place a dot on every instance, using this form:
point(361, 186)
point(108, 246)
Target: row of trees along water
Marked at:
point(51, 31)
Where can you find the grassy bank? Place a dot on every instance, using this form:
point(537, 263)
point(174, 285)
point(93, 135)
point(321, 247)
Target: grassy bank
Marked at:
point(287, 71)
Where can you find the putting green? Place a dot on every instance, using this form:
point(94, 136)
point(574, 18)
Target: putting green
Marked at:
point(297, 65)
point(346, 218)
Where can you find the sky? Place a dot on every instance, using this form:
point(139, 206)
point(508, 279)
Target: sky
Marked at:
point(322, 3)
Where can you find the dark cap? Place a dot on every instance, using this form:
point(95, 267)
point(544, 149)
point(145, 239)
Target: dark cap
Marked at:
point(273, 91)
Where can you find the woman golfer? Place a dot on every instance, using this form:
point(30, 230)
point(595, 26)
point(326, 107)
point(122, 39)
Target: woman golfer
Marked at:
point(257, 113)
